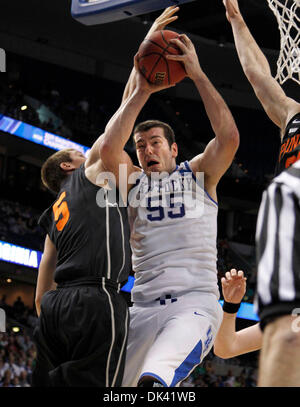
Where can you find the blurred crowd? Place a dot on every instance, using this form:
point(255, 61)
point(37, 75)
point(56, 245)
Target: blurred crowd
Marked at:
point(19, 312)
point(17, 355)
point(206, 375)
point(73, 118)
point(11, 101)
point(17, 350)
point(19, 225)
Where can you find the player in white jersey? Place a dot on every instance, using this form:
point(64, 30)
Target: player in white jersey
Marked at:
point(177, 207)
point(176, 314)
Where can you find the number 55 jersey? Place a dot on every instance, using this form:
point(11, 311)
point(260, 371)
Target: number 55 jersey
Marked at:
point(173, 224)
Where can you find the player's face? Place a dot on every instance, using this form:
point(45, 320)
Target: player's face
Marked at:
point(153, 151)
point(77, 158)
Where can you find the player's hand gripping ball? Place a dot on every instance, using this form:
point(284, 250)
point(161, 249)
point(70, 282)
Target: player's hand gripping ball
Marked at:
point(154, 65)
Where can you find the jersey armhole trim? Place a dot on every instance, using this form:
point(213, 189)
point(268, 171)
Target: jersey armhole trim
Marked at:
point(290, 121)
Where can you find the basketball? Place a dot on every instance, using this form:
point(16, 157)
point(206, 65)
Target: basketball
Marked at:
point(154, 65)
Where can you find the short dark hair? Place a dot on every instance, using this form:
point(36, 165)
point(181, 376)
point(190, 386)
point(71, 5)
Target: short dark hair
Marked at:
point(149, 124)
point(52, 174)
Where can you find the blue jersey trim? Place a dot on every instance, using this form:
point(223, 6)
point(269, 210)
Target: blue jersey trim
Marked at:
point(156, 377)
point(192, 360)
point(187, 165)
point(211, 198)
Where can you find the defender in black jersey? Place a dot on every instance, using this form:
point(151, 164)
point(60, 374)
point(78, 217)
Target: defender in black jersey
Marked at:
point(82, 328)
point(277, 240)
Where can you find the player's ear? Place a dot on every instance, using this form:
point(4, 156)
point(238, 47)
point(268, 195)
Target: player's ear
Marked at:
point(67, 166)
point(174, 149)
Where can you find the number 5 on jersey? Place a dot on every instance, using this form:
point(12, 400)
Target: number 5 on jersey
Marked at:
point(61, 208)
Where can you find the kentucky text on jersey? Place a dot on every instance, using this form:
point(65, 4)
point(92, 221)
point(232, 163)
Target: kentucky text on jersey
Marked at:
point(173, 185)
point(158, 184)
point(170, 190)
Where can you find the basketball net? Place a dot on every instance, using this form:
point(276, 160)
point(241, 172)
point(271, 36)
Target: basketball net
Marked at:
point(287, 13)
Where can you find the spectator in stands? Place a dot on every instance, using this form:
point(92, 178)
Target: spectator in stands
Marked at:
point(13, 366)
point(251, 380)
point(3, 367)
point(240, 381)
point(24, 379)
point(29, 367)
point(18, 306)
point(3, 342)
point(12, 345)
point(6, 382)
point(200, 382)
point(230, 380)
point(219, 382)
point(210, 372)
point(15, 382)
point(22, 360)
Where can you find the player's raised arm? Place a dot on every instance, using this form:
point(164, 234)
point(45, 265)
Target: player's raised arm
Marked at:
point(45, 281)
point(230, 343)
point(220, 152)
point(277, 105)
point(109, 148)
point(108, 152)
point(165, 18)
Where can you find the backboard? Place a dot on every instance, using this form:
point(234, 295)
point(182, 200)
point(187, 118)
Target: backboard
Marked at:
point(92, 12)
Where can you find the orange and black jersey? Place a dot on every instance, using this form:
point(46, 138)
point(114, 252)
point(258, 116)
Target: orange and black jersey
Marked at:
point(290, 146)
point(90, 231)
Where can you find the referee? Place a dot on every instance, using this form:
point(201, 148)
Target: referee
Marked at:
point(278, 282)
point(278, 227)
point(83, 320)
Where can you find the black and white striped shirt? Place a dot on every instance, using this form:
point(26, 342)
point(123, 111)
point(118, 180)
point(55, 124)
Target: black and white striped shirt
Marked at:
point(278, 241)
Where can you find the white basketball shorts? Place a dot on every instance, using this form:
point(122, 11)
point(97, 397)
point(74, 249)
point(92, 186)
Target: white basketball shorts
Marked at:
point(169, 337)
